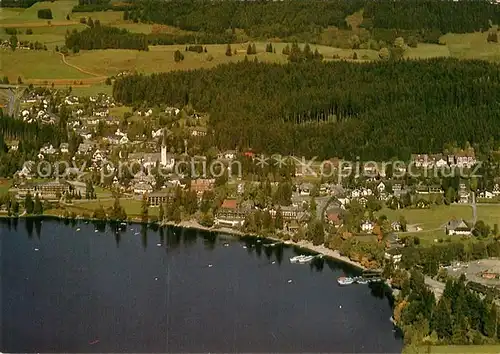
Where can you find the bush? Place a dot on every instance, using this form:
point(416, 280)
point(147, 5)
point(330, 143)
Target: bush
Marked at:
point(11, 31)
point(45, 14)
point(29, 31)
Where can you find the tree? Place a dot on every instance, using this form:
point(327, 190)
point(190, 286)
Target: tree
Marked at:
point(161, 213)
point(29, 31)
point(108, 81)
point(15, 207)
point(28, 203)
point(313, 206)
point(249, 49)
point(278, 219)
point(13, 42)
point(126, 15)
point(67, 17)
point(450, 195)
point(19, 80)
point(99, 213)
point(384, 54)
point(144, 209)
point(45, 14)
point(492, 37)
point(178, 56)
point(441, 320)
point(355, 56)
point(38, 208)
point(481, 229)
point(228, 50)
point(316, 232)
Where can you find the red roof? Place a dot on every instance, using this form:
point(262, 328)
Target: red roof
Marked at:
point(333, 216)
point(229, 204)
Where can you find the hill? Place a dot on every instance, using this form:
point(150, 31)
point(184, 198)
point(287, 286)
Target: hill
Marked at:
point(375, 110)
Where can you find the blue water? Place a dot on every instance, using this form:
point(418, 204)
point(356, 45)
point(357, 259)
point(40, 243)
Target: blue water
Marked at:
point(149, 290)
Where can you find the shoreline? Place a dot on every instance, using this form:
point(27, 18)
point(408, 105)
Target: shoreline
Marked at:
point(192, 224)
point(307, 245)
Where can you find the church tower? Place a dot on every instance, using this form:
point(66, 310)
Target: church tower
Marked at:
point(163, 160)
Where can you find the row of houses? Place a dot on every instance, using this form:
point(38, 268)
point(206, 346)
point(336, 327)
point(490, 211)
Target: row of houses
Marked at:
point(463, 158)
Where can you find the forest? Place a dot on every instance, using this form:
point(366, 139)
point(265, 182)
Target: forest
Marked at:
point(446, 16)
point(18, 3)
point(100, 5)
point(459, 317)
point(377, 110)
point(427, 19)
point(105, 37)
point(31, 137)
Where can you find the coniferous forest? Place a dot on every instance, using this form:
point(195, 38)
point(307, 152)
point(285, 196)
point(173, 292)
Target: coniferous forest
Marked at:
point(284, 19)
point(376, 110)
point(105, 37)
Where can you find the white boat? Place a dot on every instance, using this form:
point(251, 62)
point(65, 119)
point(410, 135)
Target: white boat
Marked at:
point(306, 259)
point(345, 280)
point(362, 281)
point(301, 259)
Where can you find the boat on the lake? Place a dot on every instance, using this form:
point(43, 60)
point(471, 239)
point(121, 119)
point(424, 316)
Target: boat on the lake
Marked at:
point(362, 281)
point(345, 280)
point(301, 259)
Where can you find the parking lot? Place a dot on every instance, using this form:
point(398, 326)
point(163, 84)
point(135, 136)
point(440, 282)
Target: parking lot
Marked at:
point(473, 270)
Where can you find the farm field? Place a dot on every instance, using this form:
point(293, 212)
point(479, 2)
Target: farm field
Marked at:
point(41, 65)
point(28, 17)
point(433, 220)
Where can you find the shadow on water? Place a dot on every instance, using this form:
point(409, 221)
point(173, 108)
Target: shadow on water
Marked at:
point(173, 237)
point(38, 227)
point(210, 239)
point(144, 236)
point(29, 227)
point(14, 223)
point(162, 236)
point(189, 236)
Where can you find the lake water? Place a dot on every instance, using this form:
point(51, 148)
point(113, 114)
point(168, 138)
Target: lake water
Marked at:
point(173, 290)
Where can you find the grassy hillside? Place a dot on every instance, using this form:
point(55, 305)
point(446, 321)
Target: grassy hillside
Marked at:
point(60, 9)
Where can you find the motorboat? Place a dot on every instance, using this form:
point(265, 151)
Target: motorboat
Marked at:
point(301, 259)
point(362, 281)
point(345, 280)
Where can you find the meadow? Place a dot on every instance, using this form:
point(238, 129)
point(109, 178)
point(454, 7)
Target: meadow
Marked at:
point(47, 67)
point(28, 17)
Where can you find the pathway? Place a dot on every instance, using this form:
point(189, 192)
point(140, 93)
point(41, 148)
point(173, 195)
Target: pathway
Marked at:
point(80, 69)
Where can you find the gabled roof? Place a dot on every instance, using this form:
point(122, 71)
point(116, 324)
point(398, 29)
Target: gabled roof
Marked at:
point(229, 204)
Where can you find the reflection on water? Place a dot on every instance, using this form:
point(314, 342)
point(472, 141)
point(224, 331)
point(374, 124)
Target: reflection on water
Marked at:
point(185, 291)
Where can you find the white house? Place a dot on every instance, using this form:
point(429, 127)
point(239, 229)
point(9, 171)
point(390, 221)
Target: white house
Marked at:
point(381, 187)
point(367, 226)
point(64, 148)
point(48, 150)
point(458, 227)
point(486, 195)
point(441, 163)
point(124, 140)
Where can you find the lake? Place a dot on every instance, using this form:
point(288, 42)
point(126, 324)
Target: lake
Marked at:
point(74, 288)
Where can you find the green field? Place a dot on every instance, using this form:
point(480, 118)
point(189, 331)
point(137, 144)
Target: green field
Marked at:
point(430, 219)
point(36, 65)
point(132, 206)
point(471, 46)
point(60, 9)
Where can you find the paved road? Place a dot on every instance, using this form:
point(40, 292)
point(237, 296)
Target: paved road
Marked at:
point(436, 286)
point(320, 203)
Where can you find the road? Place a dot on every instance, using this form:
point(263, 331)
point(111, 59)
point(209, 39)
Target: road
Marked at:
point(436, 286)
point(321, 202)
